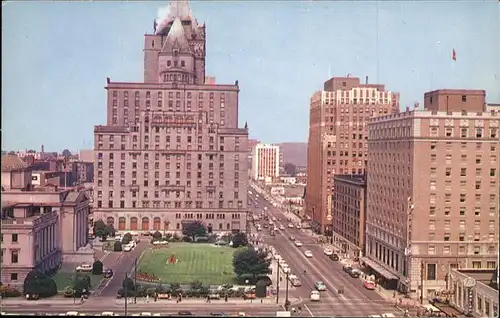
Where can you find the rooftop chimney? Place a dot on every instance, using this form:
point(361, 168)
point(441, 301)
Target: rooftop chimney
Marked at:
point(366, 80)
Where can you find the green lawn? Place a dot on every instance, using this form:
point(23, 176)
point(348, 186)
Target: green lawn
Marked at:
point(212, 265)
point(63, 279)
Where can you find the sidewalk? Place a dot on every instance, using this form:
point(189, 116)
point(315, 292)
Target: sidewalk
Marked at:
point(202, 301)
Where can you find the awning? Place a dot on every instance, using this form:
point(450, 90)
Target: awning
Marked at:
point(431, 308)
point(447, 309)
point(379, 269)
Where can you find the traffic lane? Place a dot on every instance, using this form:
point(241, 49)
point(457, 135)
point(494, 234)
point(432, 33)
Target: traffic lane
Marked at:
point(296, 266)
point(344, 277)
point(254, 312)
point(123, 266)
point(298, 263)
point(324, 266)
point(325, 262)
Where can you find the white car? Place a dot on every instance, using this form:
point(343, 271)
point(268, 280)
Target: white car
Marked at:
point(308, 254)
point(290, 226)
point(298, 226)
point(298, 243)
point(282, 227)
point(315, 296)
point(129, 247)
point(84, 268)
point(328, 252)
point(274, 218)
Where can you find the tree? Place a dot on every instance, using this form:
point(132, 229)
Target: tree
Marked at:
point(290, 169)
point(66, 153)
point(97, 267)
point(126, 238)
point(37, 283)
point(99, 228)
point(103, 230)
point(250, 262)
point(157, 236)
point(239, 239)
point(128, 284)
point(81, 284)
point(118, 246)
point(195, 229)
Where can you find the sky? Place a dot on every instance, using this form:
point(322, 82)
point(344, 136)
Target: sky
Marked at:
point(56, 57)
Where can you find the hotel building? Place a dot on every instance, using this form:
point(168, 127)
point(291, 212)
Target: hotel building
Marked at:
point(433, 191)
point(171, 152)
point(265, 162)
point(337, 138)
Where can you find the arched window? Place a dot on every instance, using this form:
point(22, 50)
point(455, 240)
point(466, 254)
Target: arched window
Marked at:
point(121, 224)
point(145, 224)
point(156, 224)
point(133, 223)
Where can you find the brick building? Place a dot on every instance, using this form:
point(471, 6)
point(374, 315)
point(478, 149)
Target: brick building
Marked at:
point(433, 191)
point(337, 138)
point(171, 151)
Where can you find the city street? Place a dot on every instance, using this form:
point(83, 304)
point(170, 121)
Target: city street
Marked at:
point(120, 263)
point(197, 307)
point(356, 300)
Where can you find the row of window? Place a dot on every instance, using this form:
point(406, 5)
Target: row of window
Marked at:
point(465, 132)
point(170, 94)
point(171, 205)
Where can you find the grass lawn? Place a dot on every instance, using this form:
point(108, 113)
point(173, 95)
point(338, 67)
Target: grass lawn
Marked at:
point(212, 265)
point(63, 279)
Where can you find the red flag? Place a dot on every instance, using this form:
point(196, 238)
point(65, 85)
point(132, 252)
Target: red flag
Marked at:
point(454, 55)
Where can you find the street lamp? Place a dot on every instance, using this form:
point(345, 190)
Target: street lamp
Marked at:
point(278, 284)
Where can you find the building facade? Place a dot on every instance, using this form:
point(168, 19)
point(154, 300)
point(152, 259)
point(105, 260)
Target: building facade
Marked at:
point(171, 152)
point(265, 162)
point(471, 292)
point(349, 206)
point(433, 191)
point(337, 138)
point(33, 218)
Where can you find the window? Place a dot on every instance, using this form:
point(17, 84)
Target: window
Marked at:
point(14, 256)
point(13, 276)
point(15, 238)
point(431, 271)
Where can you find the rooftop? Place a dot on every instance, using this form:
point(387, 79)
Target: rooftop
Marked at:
point(12, 162)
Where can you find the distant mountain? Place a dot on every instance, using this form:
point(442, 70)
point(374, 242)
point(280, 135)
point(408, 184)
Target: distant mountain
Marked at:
point(294, 152)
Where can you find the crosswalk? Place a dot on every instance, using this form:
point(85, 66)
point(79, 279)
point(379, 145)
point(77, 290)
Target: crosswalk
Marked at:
point(350, 307)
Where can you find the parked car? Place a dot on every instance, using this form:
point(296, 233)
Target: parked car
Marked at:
point(298, 244)
point(315, 296)
point(320, 286)
point(292, 238)
point(355, 273)
point(328, 251)
point(308, 254)
point(184, 313)
point(334, 257)
point(347, 268)
point(368, 284)
point(108, 273)
point(84, 268)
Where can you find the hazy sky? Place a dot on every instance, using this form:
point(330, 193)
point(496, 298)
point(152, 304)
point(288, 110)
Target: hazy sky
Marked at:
point(56, 57)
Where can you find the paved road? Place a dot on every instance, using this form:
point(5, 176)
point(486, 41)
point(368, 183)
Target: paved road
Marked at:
point(121, 263)
point(356, 300)
point(164, 307)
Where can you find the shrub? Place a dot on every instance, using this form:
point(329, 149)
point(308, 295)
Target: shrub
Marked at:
point(37, 283)
point(118, 246)
point(8, 291)
point(157, 236)
point(127, 238)
point(97, 268)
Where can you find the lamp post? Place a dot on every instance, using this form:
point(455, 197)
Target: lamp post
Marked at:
point(125, 292)
point(278, 284)
point(135, 279)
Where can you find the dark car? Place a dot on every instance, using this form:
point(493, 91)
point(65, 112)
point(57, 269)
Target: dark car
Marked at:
point(184, 313)
point(108, 273)
point(347, 268)
point(334, 257)
point(218, 314)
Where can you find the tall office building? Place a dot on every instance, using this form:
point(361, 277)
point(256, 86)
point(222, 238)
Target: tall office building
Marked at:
point(337, 138)
point(171, 151)
point(433, 191)
point(265, 162)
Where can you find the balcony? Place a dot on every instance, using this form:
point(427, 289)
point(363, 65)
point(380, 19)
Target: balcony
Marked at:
point(133, 186)
point(210, 188)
